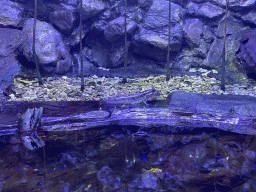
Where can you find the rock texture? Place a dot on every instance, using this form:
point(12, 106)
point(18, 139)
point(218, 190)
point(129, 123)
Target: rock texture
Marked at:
point(247, 52)
point(196, 34)
point(10, 40)
point(50, 48)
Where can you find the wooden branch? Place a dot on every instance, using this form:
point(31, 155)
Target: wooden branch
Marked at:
point(125, 43)
point(40, 81)
point(168, 49)
point(81, 47)
point(158, 117)
point(174, 119)
point(224, 51)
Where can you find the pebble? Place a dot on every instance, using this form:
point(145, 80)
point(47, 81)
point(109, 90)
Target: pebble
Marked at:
point(110, 87)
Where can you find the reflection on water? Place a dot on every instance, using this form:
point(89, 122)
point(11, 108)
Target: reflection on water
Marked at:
point(92, 160)
point(126, 159)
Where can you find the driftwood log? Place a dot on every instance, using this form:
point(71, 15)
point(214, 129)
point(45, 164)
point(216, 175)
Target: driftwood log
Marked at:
point(151, 117)
point(69, 116)
point(28, 125)
point(11, 111)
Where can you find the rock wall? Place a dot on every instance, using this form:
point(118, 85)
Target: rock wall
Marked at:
point(196, 33)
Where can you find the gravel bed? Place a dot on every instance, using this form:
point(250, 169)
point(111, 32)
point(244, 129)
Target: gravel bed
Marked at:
point(98, 88)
